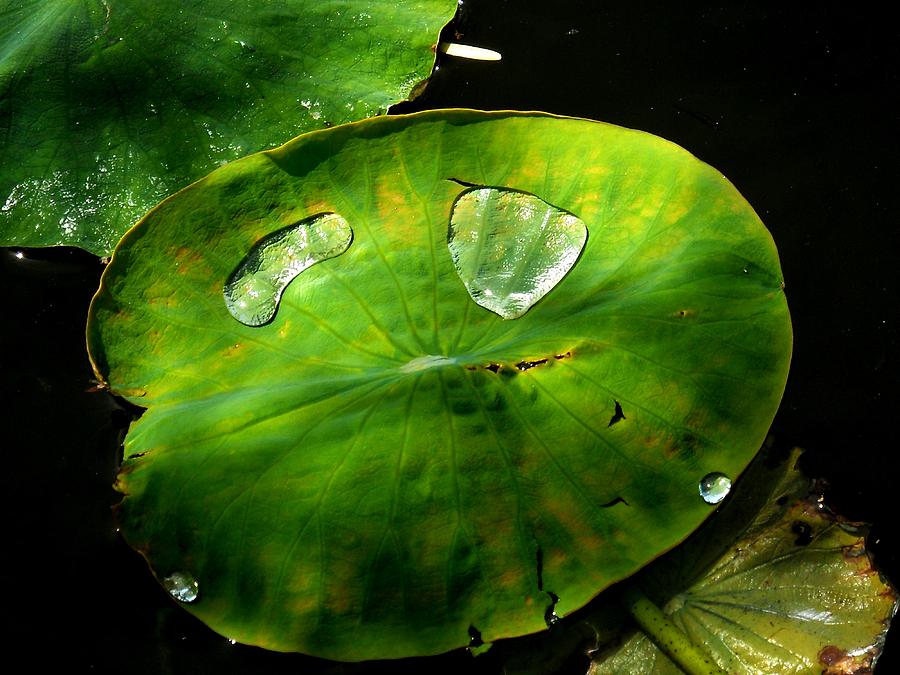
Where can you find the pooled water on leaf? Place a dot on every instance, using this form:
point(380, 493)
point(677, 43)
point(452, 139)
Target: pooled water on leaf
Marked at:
point(511, 248)
point(714, 487)
point(182, 586)
point(254, 289)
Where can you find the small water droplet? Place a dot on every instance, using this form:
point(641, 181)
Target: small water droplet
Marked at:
point(511, 248)
point(254, 289)
point(714, 487)
point(182, 586)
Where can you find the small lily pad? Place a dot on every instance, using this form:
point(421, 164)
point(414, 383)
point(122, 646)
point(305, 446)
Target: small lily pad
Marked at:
point(795, 591)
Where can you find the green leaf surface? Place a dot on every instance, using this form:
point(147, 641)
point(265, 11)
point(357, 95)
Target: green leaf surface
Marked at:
point(386, 464)
point(107, 106)
point(776, 585)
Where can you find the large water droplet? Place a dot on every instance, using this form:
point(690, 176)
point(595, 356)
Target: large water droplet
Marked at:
point(182, 586)
point(714, 487)
point(254, 289)
point(511, 248)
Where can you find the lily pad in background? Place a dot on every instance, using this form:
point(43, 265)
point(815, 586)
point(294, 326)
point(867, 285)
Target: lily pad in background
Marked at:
point(795, 591)
point(386, 466)
point(107, 106)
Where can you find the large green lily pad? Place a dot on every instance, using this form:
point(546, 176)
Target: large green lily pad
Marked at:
point(386, 465)
point(107, 106)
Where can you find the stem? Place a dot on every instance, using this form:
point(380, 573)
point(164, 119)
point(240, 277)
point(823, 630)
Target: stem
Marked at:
point(670, 639)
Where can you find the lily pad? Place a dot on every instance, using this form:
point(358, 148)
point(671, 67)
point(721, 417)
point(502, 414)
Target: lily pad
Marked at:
point(386, 467)
point(107, 106)
point(794, 592)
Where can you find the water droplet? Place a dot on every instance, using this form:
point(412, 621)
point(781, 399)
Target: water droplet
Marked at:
point(714, 487)
point(182, 586)
point(511, 248)
point(254, 289)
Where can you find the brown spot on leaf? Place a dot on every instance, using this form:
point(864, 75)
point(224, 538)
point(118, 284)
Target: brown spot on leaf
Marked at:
point(98, 385)
point(838, 662)
point(830, 655)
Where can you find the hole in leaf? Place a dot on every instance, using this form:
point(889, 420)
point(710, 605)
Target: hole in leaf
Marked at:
point(254, 289)
point(559, 357)
point(803, 532)
point(511, 248)
point(613, 502)
point(493, 367)
point(525, 365)
point(475, 637)
point(550, 616)
point(618, 415)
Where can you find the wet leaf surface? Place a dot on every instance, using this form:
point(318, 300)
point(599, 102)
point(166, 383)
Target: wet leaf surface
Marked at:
point(387, 467)
point(107, 106)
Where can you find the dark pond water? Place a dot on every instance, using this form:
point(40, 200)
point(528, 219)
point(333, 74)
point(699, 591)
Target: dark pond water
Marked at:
point(789, 103)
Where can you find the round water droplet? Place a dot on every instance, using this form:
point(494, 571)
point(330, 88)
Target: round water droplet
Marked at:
point(182, 586)
point(714, 487)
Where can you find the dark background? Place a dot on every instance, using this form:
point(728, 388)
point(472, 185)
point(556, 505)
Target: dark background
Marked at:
point(790, 103)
